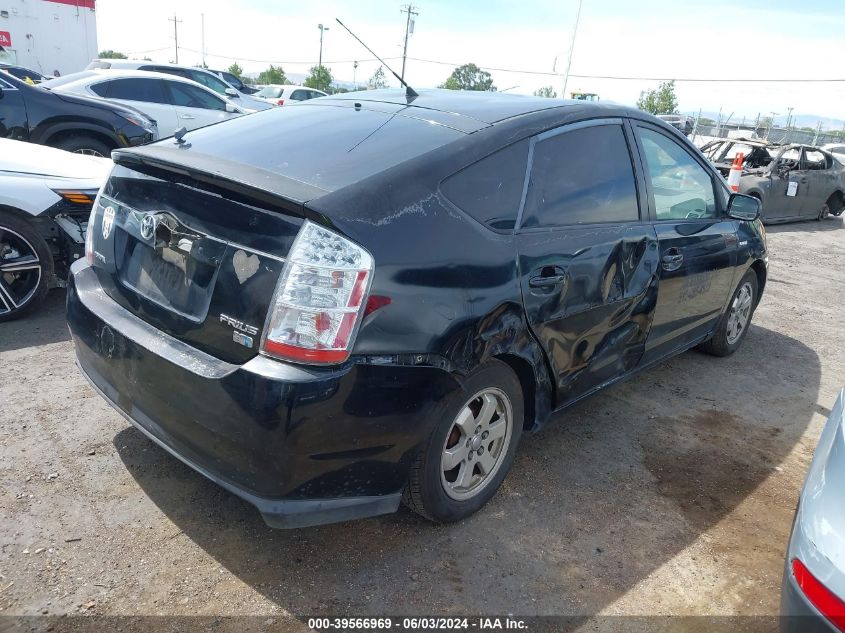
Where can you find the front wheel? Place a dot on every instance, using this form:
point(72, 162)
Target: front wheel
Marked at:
point(84, 144)
point(472, 446)
point(734, 323)
point(26, 266)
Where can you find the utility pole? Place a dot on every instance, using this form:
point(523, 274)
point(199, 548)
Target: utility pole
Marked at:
point(771, 123)
point(175, 34)
point(409, 29)
point(322, 28)
point(355, 74)
point(789, 117)
point(571, 48)
point(202, 16)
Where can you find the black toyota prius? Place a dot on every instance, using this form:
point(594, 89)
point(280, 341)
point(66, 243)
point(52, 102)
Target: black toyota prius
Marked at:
point(332, 307)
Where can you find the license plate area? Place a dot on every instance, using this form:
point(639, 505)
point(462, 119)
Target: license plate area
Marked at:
point(179, 277)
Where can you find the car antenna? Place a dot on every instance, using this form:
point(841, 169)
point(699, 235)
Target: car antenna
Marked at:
point(410, 93)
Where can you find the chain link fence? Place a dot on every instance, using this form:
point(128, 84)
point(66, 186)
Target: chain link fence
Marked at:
point(774, 134)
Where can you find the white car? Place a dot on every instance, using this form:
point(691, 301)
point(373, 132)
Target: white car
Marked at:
point(199, 75)
point(837, 149)
point(280, 94)
point(172, 101)
point(46, 196)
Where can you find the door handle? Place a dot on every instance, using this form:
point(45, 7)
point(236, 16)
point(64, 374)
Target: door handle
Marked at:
point(672, 259)
point(540, 281)
point(548, 277)
point(186, 116)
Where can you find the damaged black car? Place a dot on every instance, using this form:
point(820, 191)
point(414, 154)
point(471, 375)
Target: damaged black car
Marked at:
point(334, 306)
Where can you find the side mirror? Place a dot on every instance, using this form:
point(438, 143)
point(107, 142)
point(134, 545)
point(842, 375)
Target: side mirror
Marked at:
point(232, 92)
point(742, 207)
point(783, 171)
point(230, 108)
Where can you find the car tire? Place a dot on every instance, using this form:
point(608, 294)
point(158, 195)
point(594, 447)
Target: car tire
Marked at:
point(469, 435)
point(726, 339)
point(84, 144)
point(22, 289)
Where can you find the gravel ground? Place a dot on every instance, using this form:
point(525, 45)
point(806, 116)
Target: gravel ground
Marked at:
point(672, 493)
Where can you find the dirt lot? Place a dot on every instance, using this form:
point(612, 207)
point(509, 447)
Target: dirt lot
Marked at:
point(672, 493)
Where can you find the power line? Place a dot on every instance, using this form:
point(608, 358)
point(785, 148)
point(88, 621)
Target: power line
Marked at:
point(618, 78)
point(507, 70)
point(277, 62)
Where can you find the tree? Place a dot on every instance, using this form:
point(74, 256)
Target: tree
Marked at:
point(377, 80)
point(273, 75)
point(236, 70)
point(319, 77)
point(546, 91)
point(660, 101)
point(469, 77)
point(110, 54)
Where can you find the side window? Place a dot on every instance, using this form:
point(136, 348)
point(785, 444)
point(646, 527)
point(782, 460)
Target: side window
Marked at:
point(188, 96)
point(682, 188)
point(491, 189)
point(299, 95)
point(791, 158)
point(581, 177)
point(209, 81)
point(316, 95)
point(5, 86)
point(814, 160)
point(101, 89)
point(148, 90)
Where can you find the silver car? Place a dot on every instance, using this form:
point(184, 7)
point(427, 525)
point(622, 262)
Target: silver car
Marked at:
point(813, 595)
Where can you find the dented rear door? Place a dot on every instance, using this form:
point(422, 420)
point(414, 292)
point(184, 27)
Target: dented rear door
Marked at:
point(587, 259)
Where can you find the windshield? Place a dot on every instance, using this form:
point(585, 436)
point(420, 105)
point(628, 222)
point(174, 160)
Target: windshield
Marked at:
point(270, 92)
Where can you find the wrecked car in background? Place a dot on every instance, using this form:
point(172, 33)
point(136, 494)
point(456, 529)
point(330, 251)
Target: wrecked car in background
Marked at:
point(684, 124)
point(46, 196)
point(794, 182)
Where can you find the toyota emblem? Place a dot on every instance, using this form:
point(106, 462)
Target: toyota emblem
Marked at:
point(148, 227)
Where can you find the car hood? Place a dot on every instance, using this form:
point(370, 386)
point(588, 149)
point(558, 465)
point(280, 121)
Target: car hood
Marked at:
point(99, 103)
point(28, 158)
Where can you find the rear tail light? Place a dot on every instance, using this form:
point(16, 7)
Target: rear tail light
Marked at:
point(829, 605)
point(280, 102)
point(319, 301)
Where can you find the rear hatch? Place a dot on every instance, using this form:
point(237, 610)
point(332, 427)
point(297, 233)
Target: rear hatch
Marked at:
point(194, 242)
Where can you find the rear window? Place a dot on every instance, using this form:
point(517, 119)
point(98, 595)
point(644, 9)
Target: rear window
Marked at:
point(491, 189)
point(324, 146)
point(270, 92)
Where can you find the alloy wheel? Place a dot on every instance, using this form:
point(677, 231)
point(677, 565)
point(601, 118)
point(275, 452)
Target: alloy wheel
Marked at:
point(740, 313)
point(20, 271)
point(476, 444)
point(89, 152)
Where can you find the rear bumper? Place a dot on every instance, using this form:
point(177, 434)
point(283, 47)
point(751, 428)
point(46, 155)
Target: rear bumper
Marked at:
point(304, 445)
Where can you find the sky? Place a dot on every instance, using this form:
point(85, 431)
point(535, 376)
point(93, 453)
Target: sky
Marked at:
point(640, 39)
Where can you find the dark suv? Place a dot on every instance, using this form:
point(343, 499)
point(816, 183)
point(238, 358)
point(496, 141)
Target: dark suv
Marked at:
point(69, 122)
point(329, 307)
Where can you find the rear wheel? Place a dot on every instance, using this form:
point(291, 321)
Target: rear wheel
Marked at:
point(472, 447)
point(734, 324)
point(26, 266)
point(84, 144)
